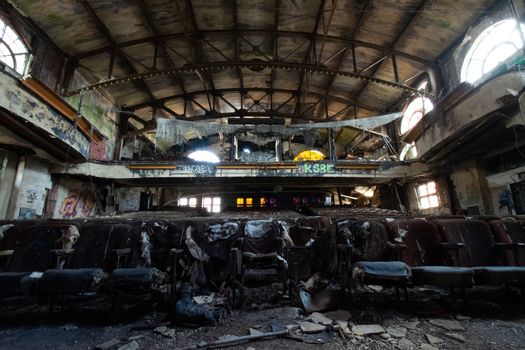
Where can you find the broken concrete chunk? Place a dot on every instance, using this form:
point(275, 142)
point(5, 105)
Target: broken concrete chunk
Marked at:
point(367, 329)
point(310, 327)
point(130, 346)
point(228, 337)
point(460, 317)
point(204, 299)
point(107, 344)
point(318, 317)
point(160, 329)
point(170, 333)
point(344, 327)
point(405, 344)
point(255, 332)
point(456, 336)
point(427, 347)
point(377, 289)
point(291, 327)
point(339, 315)
point(411, 324)
point(386, 336)
point(433, 339)
point(449, 325)
point(397, 332)
point(137, 337)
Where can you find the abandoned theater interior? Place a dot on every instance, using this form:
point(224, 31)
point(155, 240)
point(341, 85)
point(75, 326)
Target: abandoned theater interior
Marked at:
point(253, 174)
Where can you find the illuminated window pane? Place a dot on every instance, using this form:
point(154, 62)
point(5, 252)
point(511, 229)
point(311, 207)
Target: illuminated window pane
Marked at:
point(13, 53)
point(414, 112)
point(491, 48)
point(192, 202)
point(183, 202)
point(249, 202)
point(422, 190)
point(434, 201)
point(240, 202)
point(272, 202)
point(328, 200)
point(296, 200)
point(204, 156)
point(427, 195)
point(309, 155)
point(262, 202)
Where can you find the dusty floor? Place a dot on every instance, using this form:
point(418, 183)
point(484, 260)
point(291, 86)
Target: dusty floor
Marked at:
point(492, 319)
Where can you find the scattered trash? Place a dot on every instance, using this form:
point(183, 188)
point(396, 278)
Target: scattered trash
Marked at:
point(449, 325)
point(433, 339)
point(233, 340)
point(108, 344)
point(367, 329)
point(317, 317)
point(310, 327)
point(338, 315)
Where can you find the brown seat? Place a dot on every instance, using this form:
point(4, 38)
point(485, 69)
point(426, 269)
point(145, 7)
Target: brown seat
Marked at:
point(510, 231)
point(474, 246)
point(424, 252)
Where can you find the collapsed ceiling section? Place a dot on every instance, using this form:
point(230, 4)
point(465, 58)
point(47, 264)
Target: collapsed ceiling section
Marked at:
point(193, 60)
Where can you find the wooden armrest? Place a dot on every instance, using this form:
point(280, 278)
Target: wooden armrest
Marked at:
point(122, 251)
point(396, 246)
point(62, 252)
point(449, 246)
point(509, 245)
point(5, 253)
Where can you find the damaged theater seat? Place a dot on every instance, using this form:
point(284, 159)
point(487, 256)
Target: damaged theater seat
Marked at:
point(27, 248)
point(368, 243)
point(474, 247)
point(510, 232)
point(423, 250)
point(100, 248)
point(262, 252)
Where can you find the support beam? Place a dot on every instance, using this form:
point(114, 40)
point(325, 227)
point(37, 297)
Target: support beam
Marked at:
point(141, 85)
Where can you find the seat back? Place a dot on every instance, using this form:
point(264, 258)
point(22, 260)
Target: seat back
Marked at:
point(509, 230)
point(32, 245)
point(368, 238)
point(98, 241)
point(301, 230)
point(477, 237)
point(164, 235)
point(421, 238)
point(260, 237)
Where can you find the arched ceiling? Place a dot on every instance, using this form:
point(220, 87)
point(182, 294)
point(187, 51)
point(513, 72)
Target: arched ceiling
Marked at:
point(205, 59)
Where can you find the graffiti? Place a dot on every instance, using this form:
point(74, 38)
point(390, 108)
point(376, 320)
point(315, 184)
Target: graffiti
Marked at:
point(78, 204)
point(200, 170)
point(26, 214)
point(317, 168)
point(97, 150)
point(32, 196)
point(27, 107)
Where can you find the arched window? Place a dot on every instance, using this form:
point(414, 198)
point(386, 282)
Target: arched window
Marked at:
point(414, 111)
point(409, 152)
point(309, 155)
point(204, 156)
point(13, 52)
point(492, 47)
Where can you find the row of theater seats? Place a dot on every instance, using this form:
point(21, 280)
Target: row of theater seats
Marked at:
point(438, 252)
point(129, 256)
point(50, 258)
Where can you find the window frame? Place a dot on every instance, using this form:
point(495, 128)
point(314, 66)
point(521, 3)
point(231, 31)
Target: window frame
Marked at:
point(428, 195)
point(26, 53)
point(487, 35)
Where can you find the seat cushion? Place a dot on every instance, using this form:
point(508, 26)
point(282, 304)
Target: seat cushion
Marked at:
point(512, 275)
point(143, 276)
point(72, 281)
point(18, 283)
point(381, 272)
point(442, 276)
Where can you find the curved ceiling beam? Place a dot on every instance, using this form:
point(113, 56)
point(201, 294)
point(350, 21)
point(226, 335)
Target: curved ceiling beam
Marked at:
point(254, 65)
point(278, 33)
point(269, 91)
